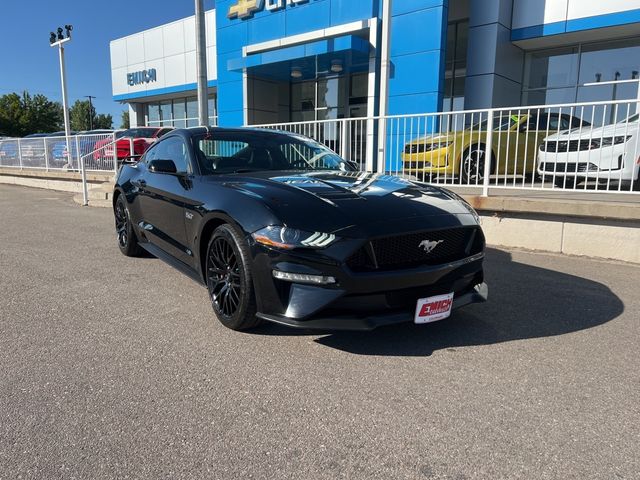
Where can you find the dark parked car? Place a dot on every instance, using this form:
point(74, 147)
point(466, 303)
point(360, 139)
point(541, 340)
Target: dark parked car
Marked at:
point(279, 228)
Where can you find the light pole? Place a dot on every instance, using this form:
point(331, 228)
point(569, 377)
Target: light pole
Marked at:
point(90, 97)
point(58, 41)
point(201, 63)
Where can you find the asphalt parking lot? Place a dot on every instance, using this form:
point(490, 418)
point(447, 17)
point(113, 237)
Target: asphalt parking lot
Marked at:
point(112, 367)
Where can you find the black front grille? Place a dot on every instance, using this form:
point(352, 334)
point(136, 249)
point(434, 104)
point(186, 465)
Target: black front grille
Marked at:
point(569, 167)
point(417, 148)
point(413, 249)
point(564, 146)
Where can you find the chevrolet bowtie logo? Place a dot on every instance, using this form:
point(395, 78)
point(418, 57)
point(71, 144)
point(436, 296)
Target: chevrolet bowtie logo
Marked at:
point(244, 8)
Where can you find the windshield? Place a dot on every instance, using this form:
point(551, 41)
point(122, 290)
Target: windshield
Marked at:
point(631, 119)
point(140, 132)
point(229, 152)
point(503, 122)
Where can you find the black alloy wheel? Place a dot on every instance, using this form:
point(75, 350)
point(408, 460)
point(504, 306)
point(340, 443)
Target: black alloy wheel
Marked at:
point(127, 240)
point(473, 165)
point(229, 279)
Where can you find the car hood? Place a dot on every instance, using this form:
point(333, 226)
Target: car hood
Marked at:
point(586, 133)
point(332, 201)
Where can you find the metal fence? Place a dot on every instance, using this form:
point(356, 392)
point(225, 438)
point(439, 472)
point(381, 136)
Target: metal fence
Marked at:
point(60, 153)
point(586, 147)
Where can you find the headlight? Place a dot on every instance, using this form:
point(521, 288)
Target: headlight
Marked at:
point(617, 140)
point(288, 238)
point(427, 147)
point(467, 205)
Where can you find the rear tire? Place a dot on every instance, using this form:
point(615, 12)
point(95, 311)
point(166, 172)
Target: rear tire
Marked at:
point(559, 182)
point(229, 279)
point(127, 240)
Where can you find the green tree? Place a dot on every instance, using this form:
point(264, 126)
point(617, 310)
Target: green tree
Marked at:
point(103, 121)
point(11, 113)
point(81, 115)
point(125, 119)
point(21, 115)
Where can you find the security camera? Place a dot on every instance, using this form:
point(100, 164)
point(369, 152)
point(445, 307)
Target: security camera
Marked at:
point(52, 37)
point(68, 28)
point(60, 36)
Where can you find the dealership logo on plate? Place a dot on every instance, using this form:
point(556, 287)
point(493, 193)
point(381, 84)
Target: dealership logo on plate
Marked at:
point(246, 8)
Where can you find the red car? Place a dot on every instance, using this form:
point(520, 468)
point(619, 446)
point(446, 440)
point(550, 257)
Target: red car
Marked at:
point(140, 138)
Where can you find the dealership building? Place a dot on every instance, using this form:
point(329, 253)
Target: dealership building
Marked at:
point(271, 61)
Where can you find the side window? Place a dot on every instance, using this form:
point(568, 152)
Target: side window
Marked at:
point(175, 149)
point(552, 122)
point(150, 155)
point(565, 123)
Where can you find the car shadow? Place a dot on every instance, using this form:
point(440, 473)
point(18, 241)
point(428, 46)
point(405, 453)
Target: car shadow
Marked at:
point(524, 302)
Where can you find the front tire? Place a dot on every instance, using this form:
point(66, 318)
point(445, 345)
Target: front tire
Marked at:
point(229, 279)
point(127, 240)
point(473, 160)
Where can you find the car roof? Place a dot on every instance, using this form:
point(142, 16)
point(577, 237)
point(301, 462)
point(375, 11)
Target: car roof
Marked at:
point(262, 132)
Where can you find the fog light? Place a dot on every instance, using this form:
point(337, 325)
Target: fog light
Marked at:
point(303, 278)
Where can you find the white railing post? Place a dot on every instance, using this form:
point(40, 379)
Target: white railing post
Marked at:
point(382, 144)
point(114, 149)
point(344, 140)
point(20, 153)
point(369, 148)
point(488, 154)
point(46, 154)
point(85, 191)
point(78, 156)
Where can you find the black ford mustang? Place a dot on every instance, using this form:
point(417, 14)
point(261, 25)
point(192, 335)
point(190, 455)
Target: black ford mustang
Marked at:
point(279, 228)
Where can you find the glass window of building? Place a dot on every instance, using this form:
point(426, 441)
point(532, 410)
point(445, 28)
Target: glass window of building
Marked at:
point(455, 65)
point(192, 112)
point(342, 96)
point(166, 116)
point(566, 75)
point(179, 113)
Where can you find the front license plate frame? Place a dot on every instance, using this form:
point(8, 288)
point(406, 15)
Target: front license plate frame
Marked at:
point(433, 309)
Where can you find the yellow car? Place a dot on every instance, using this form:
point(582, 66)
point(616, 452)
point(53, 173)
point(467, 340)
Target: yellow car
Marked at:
point(515, 141)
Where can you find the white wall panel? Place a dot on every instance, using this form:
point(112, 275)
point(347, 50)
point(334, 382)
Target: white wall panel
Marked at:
point(212, 64)
point(135, 49)
point(170, 49)
point(191, 73)
point(189, 27)
point(118, 53)
point(153, 44)
point(174, 70)
point(528, 13)
point(210, 27)
point(173, 34)
point(119, 80)
point(590, 8)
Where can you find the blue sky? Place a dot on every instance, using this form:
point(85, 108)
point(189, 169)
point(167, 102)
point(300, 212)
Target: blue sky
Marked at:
point(27, 62)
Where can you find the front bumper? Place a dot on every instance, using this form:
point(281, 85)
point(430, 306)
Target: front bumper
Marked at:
point(358, 300)
point(435, 162)
point(477, 294)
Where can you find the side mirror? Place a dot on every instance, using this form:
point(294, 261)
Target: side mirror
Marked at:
point(163, 166)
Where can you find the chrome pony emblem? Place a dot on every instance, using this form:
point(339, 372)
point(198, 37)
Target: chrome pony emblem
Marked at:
point(429, 245)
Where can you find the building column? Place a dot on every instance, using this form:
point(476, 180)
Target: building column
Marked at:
point(418, 40)
point(136, 115)
point(494, 63)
